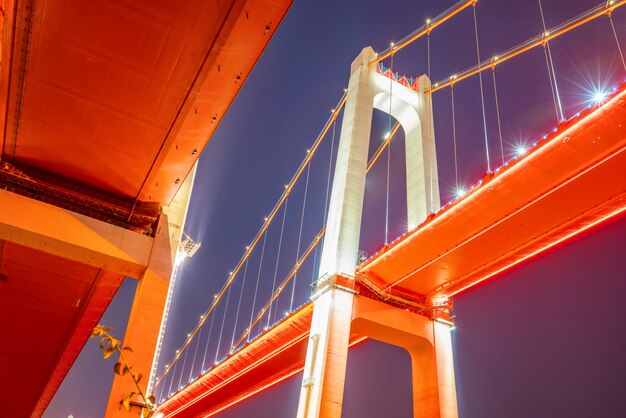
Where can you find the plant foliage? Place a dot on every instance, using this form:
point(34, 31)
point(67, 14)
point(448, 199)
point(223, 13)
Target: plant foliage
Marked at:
point(110, 345)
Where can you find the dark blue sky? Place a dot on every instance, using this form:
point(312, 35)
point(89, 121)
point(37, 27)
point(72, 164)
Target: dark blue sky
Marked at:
point(543, 340)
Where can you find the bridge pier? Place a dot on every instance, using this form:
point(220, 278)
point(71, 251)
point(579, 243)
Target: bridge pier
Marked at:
point(144, 322)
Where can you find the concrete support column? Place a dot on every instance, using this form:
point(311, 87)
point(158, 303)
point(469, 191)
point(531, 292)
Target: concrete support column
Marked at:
point(421, 161)
point(428, 343)
point(445, 370)
point(144, 322)
point(413, 110)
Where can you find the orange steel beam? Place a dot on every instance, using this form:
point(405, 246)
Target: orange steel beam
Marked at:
point(257, 238)
point(424, 30)
point(570, 182)
point(605, 8)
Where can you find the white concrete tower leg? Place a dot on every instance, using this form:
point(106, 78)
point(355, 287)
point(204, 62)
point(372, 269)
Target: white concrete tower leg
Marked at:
point(448, 407)
point(321, 394)
point(343, 225)
point(425, 112)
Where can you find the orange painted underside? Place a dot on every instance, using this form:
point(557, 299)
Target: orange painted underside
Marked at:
point(271, 358)
point(117, 95)
point(571, 181)
point(48, 307)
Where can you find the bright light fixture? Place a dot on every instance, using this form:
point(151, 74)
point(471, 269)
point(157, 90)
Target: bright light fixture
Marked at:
point(599, 97)
point(459, 192)
point(521, 150)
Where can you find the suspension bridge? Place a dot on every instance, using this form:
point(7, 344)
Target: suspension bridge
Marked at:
point(330, 295)
point(373, 236)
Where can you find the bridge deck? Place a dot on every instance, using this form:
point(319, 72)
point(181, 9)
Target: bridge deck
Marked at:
point(569, 182)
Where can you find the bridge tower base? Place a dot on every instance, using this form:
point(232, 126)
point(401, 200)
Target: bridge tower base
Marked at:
point(339, 313)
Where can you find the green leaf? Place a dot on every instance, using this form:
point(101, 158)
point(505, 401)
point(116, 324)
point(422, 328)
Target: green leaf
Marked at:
point(127, 348)
point(151, 399)
point(125, 370)
point(117, 368)
point(138, 377)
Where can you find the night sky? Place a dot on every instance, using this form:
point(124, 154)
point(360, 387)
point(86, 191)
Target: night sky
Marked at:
point(545, 339)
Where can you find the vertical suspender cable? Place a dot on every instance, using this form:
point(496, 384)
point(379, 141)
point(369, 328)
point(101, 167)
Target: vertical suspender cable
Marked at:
point(219, 340)
point(482, 94)
point(232, 340)
point(256, 289)
point(556, 108)
point(619, 48)
point(430, 209)
point(554, 85)
point(206, 349)
point(280, 243)
point(456, 164)
point(388, 151)
point(160, 395)
point(295, 277)
point(182, 369)
point(193, 363)
point(428, 53)
point(169, 390)
point(495, 93)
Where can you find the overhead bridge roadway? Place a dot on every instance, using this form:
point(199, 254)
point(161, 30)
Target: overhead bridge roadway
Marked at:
point(105, 107)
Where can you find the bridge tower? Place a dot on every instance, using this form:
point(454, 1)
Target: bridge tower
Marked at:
point(338, 310)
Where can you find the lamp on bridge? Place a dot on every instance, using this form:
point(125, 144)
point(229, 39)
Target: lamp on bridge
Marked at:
point(186, 249)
